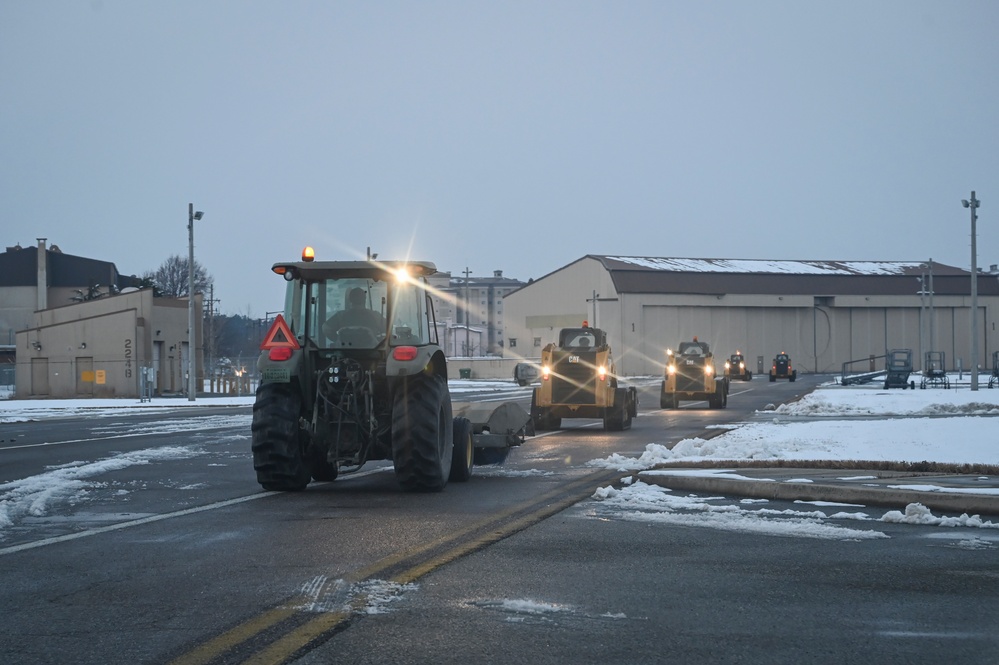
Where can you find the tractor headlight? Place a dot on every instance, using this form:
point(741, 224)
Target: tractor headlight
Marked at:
point(709, 370)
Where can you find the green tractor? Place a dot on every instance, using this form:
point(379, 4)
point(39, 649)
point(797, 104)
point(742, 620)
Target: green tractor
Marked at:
point(352, 372)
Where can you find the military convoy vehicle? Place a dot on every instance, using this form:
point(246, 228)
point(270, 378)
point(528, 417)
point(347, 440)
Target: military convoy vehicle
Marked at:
point(578, 380)
point(735, 368)
point(781, 368)
point(691, 376)
point(352, 372)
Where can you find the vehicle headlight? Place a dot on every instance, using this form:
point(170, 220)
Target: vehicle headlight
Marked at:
point(709, 370)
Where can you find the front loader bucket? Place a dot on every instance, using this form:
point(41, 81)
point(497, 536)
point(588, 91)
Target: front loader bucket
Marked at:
point(494, 425)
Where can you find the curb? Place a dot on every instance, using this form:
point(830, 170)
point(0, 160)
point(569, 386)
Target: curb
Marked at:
point(952, 502)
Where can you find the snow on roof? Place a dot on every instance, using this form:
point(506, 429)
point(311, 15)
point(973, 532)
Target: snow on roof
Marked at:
point(770, 266)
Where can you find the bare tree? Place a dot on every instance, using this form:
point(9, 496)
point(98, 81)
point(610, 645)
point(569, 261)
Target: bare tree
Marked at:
point(170, 279)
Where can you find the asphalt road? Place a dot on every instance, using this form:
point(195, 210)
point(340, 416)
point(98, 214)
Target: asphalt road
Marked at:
point(183, 559)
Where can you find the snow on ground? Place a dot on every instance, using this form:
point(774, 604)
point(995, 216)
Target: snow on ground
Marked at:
point(641, 502)
point(832, 423)
point(850, 423)
point(36, 495)
point(23, 410)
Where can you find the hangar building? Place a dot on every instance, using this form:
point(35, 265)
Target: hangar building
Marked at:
point(822, 313)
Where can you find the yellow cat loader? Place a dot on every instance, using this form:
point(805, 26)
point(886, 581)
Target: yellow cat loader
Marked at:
point(578, 381)
point(691, 376)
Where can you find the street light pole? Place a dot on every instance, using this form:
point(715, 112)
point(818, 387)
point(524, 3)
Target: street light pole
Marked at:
point(973, 204)
point(191, 216)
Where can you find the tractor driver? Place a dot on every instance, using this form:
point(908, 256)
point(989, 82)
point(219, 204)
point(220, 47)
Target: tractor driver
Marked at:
point(355, 315)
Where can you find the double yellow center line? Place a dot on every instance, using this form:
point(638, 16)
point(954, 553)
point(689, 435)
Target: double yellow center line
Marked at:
point(282, 632)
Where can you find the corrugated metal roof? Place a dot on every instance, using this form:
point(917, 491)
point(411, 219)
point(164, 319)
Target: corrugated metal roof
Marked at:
point(772, 267)
point(632, 274)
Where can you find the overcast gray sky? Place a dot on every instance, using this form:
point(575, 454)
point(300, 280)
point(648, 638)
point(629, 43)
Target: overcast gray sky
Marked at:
point(514, 136)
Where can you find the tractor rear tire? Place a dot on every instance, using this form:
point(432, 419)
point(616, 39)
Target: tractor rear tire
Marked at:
point(463, 457)
point(278, 444)
point(422, 433)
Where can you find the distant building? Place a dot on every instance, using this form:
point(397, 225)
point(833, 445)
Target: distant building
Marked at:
point(469, 310)
point(36, 278)
point(74, 327)
point(108, 348)
point(823, 313)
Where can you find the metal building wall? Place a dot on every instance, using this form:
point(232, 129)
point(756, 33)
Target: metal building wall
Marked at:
point(819, 333)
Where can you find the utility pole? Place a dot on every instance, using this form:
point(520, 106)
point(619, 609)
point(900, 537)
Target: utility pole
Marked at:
point(594, 301)
point(973, 204)
point(468, 311)
point(933, 325)
point(212, 345)
point(922, 314)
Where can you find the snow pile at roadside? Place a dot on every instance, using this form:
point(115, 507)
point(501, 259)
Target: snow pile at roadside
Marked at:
point(838, 401)
point(641, 502)
point(899, 429)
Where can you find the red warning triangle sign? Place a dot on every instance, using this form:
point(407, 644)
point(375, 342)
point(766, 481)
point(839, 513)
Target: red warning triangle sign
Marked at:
point(279, 336)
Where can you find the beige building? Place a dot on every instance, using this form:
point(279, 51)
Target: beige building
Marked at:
point(469, 312)
point(71, 326)
point(107, 348)
point(822, 313)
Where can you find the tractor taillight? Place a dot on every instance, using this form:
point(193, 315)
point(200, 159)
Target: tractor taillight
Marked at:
point(404, 353)
point(545, 372)
point(279, 353)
